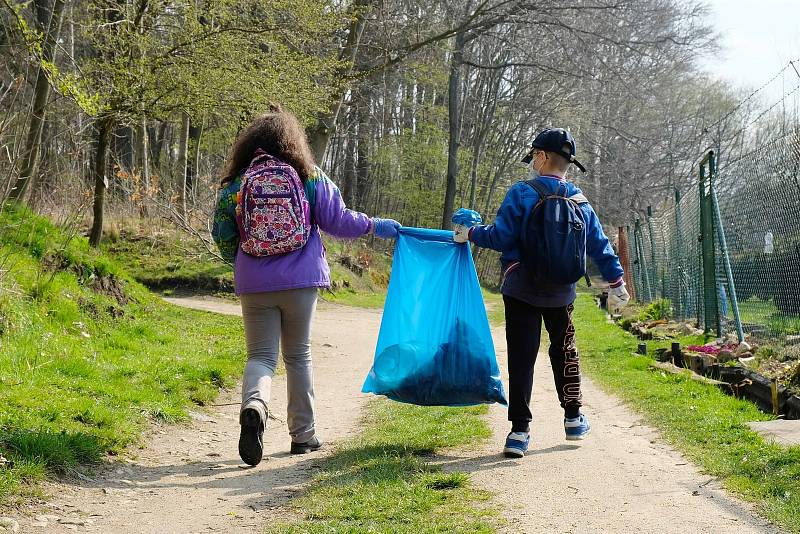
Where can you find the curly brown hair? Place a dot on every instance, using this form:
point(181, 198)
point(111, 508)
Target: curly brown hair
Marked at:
point(279, 134)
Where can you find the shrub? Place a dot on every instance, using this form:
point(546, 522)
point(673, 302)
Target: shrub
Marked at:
point(657, 310)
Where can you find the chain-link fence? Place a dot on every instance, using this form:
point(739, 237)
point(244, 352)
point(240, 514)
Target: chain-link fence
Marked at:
point(727, 253)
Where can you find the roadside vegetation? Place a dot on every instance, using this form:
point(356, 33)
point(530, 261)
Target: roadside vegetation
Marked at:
point(701, 421)
point(167, 260)
point(383, 481)
point(89, 357)
point(171, 261)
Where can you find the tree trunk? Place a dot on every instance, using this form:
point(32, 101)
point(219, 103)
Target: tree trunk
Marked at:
point(454, 112)
point(79, 117)
point(183, 161)
point(159, 134)
point(362, 158)
point(193, 171)
point(480, 139)
point(350, 181)
point(498, 172)
point(44, 179)
point(320, 134)
point(41, 92)
point(123, 148)
point(104, 128)
point(143, 162)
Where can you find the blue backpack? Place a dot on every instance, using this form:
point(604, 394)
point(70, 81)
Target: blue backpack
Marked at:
point(554, 236)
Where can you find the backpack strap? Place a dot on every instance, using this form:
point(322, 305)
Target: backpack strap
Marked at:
point(540, 189)
point(578, 198)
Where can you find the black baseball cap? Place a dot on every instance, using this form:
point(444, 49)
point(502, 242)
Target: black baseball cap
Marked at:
point(556, 140)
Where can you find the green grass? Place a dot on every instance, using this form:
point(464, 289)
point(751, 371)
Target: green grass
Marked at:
point(708, 426)
point(495, 308)
point(360, 299)
point(168, 260)
point(764, 312)
point(89, 357)
point(383, 481)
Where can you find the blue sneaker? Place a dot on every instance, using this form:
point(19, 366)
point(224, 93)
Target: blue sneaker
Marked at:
point(516, 444)
point(577, 428)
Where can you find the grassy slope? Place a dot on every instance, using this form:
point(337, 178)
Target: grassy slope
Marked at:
point(82, 371)
point(367, 290)
point(381, 482)
point(163, 259)
point(701, 421)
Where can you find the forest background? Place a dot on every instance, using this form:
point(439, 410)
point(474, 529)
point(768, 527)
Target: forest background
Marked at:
point(413, 108)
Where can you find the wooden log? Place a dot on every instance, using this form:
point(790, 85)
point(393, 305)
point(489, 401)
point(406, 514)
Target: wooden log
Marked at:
point(672, 368)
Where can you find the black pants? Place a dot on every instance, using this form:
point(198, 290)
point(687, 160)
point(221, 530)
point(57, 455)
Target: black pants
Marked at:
point(523, 334)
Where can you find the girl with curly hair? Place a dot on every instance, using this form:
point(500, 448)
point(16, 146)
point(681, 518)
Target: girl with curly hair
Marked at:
point(279, 292)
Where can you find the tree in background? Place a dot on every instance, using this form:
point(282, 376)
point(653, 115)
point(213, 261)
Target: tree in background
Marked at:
point(218, 61)
point(493, 73)
point(49, 17)
point(412, 107)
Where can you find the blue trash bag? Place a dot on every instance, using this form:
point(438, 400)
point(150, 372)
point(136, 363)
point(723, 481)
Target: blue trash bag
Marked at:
point(435, 347)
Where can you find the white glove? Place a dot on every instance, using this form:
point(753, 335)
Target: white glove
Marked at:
point(460, 233)
point(618, 298)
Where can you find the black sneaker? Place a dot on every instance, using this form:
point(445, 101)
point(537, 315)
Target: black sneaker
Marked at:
point(309, 446)
point(251, 438)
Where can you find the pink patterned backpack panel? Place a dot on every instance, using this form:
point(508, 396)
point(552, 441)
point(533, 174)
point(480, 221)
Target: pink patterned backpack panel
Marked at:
point(272, 209)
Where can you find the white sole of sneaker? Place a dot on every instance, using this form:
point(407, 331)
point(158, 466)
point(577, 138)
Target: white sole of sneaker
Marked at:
point(513, 453)
point(579, 438)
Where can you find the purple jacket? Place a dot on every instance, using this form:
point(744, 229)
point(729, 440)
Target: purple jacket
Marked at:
point(306, 267)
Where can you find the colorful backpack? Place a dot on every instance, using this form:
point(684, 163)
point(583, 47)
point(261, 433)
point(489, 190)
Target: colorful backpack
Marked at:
point(272, 210)
point(554, 237)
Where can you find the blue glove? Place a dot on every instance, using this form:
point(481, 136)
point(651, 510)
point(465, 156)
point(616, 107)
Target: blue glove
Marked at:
point(464, 219)
point(468, 218)
point(385, 228)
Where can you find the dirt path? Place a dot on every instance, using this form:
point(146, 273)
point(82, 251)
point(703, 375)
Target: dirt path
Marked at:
point(621, 479)
point(190, 479)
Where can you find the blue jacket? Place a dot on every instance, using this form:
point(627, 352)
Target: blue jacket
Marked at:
point(504, 236)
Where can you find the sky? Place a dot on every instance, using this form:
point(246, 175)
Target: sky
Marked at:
point(758, 38)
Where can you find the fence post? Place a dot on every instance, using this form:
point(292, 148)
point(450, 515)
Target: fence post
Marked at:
point(653, 262)
point(678, 259)
point(710, 304)
point(643, 270)
point(623, 250)
point(632, 262)
point(637, 264)
point(723, 245)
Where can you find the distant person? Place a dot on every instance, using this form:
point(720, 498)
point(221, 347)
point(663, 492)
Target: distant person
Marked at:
point(533, 235)
point(769, 242)
point(723, 299)
point(271, 234)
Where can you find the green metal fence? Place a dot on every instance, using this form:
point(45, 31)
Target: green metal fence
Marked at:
point(726, 253)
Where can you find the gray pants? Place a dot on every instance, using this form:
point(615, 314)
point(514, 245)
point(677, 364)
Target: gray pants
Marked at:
point(270, 320)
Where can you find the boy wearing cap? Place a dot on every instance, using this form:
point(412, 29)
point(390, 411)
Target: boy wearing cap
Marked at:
point(528, 303)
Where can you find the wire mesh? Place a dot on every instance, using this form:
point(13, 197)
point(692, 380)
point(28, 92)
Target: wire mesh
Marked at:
point(757, 200)
point(667, 258)
point(758, 196)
